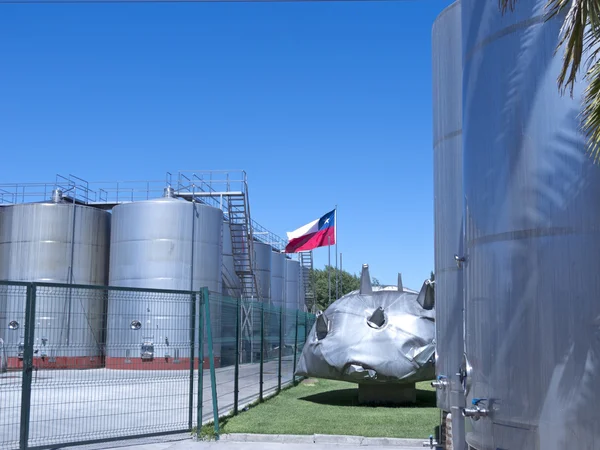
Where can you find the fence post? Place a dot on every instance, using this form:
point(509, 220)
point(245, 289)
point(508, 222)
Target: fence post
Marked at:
point(211, 359)
point(262, 352)
point(280, 348)
point(192, 343)
point(295, 350)
point(305, 327)
point(27, 365)
point(200, 362)
point(236, 381)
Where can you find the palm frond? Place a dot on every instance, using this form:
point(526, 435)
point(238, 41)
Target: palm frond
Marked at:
point(580, 35)
point(579, 39)
point(591, 111)
point(572, 37)
point(507, 5)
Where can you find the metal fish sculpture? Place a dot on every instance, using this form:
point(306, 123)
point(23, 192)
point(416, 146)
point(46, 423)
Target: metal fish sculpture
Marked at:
point(374, 336)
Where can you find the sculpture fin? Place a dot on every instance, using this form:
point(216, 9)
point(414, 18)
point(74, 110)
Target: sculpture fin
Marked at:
point(426, 297)
point(365, 281)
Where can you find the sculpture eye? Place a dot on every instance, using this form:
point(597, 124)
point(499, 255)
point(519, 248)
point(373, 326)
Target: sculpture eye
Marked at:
point(322, 326)
point(377, 319)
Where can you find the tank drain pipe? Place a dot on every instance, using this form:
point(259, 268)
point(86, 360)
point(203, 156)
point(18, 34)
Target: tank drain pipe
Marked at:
point(477, 411)
point(441, 382)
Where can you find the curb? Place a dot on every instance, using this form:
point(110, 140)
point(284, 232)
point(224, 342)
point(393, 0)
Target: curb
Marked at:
point(322, 439)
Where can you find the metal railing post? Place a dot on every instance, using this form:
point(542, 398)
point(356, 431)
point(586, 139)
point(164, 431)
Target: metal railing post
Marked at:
point(236, 381)
point(295, 350)
point(280, 348)
point(27, 365)
point(262, 351)
point(211, 359)
point(192, 343)
point(200, 363)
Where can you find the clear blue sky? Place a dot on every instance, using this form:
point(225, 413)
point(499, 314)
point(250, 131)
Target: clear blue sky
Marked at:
point(321, 103)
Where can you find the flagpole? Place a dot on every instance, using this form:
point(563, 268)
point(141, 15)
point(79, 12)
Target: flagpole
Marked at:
point(329, 268)
point(336, 254)
point(341, 277)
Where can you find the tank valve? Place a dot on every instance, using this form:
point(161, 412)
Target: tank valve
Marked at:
point(477, 411)
point(460, 260)
point(432, 444)
point(441, 382)
point(147, 351)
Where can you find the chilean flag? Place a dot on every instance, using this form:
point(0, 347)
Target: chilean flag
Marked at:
point(318, 233)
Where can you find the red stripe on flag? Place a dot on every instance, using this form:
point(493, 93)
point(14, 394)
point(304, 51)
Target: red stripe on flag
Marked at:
point(312, 240)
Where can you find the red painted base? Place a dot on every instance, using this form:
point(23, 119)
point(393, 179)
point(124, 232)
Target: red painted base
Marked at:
point(156, 363)
point(60, 362)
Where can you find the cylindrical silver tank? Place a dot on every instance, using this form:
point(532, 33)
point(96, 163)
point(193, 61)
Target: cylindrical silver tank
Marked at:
point(448, 212)
point(292, 296)
point(262, 255)
point(231, 282)
point(55, 242)
point(531, 238)
point(302, 289)
point(277, 296)
point(292, 284)
point(170, 244)
point(277, 279)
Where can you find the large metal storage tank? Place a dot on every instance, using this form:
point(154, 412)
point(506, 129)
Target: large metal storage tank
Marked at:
point(302, 289)
point(292, 291)
point(262, 255)
point(531, 238)
point(170, 244)
point(448, 212)
point(277, 297)
point(292, 284)
point(277, 279)
point(231, 282)
point(55, 242)
point(231, 288)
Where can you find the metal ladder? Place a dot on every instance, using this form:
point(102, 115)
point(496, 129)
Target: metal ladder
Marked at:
point(238, 209)
point(306, 262)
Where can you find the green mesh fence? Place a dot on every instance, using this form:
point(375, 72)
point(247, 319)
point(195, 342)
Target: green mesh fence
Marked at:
point(84, 364)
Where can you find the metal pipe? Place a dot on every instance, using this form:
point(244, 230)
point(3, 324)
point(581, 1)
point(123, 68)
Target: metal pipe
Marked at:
point(440, 383)
point(262, 351)
point(295, 349)
point(236, 381)
point(475, 413)
point(192, 343)
point(329, 267)
point(200, 364)
point(280, 349)
point(70, 292)
point(211, 359)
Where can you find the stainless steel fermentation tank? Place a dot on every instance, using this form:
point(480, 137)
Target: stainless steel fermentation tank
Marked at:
point(292, 299)
point(532, 239)
point(278, 295)
point(231, 281)
point(448, 208)
point(165, 243)
point(262, 255)
point(54, 242)
point(278, 279)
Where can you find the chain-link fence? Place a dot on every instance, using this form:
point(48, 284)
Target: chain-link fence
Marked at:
point(83, 364)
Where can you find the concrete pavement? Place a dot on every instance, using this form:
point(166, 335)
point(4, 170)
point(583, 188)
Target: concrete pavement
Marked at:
point(272, 442)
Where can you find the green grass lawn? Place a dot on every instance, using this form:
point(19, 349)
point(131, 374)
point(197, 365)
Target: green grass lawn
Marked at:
point(331, 407)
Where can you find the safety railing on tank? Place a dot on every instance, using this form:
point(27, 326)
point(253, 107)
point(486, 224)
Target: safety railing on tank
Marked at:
point(15, 193)
point(219, 184)
point(134, 381)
